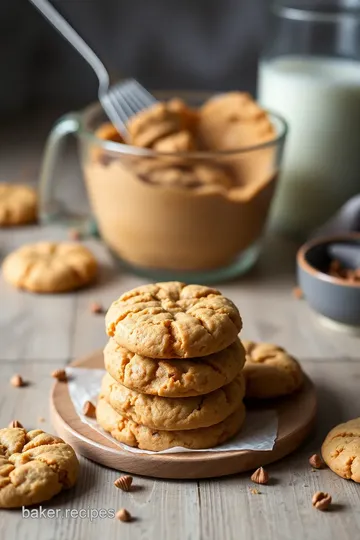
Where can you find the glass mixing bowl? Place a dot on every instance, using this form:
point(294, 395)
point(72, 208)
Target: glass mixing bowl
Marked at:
point(202, 233)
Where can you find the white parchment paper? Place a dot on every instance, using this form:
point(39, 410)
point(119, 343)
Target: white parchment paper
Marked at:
point(258, 433)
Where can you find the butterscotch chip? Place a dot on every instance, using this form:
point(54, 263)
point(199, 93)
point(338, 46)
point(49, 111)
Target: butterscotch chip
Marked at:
point(124, 482)
point(89, 409)
point(177, 377)
point(270, 371)
point(34, 466)
point(341, 450)
point(172, 414)
point(316, 462)
point(171, 320)
point(123, 515)
point(96, 308)
point(50, 267)
point(321, 501)
point(297, 293)
point(17, 381)
point(15, 424)
point(260, 476)
point(128, 432)
point(59, 374)
point(18, 204)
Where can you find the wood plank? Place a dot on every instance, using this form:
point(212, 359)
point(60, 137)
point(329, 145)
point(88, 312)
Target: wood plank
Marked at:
point(162, 509)
point(283, 510)
point(88, 330)
point(34, 326)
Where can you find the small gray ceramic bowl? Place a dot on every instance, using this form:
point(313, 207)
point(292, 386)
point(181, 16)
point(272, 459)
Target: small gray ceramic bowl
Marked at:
point(334, 298)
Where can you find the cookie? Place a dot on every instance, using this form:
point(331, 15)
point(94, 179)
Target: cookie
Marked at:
point(18, 204)
point(128, 432)
point(34, 466)
point(173, 378)
point(270, 371)
point(341, 450)
point(172, 414)
point(173, 320)
point(50, 267)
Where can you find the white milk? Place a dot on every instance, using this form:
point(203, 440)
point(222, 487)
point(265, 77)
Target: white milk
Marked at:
point(320, 98)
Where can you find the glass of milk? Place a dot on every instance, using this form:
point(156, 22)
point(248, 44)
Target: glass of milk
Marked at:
point(310, 73)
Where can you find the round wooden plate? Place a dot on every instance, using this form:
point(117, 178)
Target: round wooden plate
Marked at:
point(296, 416)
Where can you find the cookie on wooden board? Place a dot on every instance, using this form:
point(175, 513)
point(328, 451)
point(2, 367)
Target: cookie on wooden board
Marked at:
point(270, 371)
point(173, 320)
point(173, 377)
point(173, 414)
point(128, 432)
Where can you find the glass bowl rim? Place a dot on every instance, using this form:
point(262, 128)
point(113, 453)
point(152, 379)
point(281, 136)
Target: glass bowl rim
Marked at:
point(128, 149)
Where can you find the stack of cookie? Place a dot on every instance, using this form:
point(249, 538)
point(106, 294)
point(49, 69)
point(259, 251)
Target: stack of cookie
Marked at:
point(174, 368)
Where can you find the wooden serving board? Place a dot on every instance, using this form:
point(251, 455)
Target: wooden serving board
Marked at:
point(296, 415)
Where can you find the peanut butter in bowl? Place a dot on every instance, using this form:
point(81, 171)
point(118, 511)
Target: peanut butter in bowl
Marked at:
point(190, 189)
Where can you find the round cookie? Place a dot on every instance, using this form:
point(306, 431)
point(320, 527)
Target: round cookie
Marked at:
point(34, 466)
point(270, 371)
point(173, 378)
point(173, 320)
point(341, 450)
point(18, 204)
point(172, 414)
point(50, 267)
point(128, 432)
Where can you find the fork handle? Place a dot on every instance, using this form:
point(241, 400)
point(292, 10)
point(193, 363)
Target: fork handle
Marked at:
point(67, 31)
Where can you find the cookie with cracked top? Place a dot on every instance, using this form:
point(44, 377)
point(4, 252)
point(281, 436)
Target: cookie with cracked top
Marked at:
point(173, 320)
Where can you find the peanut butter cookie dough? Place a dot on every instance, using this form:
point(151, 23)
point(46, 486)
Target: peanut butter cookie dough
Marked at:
point(50, 267)
point(173, 378)
point(173, 320)
point(34, 466)
point(341, 450)
point(270, 371)
point(172, 414)
point(128, 432)
point(158, 208)
point(18, 204)
point(161, 121)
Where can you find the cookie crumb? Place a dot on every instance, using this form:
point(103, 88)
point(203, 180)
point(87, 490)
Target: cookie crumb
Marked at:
point(89, 409)
point(74, 234)
point(59, 374)
point(123, 515)
point(321, 501)
point(255, 491)
point(297, 293)
point(96, 308)
point(15, 424)
point(41, 419)
point(17, 381)
point(124, 482)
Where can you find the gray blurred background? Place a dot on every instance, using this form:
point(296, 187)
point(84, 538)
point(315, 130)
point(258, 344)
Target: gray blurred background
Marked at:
point(185, 44)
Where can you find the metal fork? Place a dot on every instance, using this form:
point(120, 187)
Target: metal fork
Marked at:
point(121, 100)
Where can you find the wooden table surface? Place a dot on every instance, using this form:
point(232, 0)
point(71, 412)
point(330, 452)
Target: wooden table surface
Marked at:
point(41, 333)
